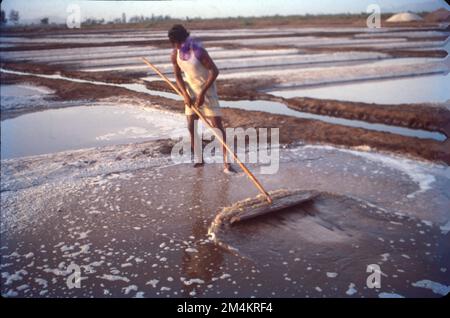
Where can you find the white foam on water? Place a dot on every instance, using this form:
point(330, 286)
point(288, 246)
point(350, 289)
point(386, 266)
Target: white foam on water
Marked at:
point(10, 293)
point(139, 294)
point(351, 290)
point(389, 295)
point(193, 281)
point(23, 287)
point(445, 228)
point(113, 278)
point(126, 290)
point(436, 288)
point(152, 282)
point(42, 282)
point(331, 274)
point(418, 171)
point(224, 276)
point(17, 276)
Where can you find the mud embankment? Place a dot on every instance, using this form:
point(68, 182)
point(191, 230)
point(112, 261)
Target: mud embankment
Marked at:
point(436, 52)
point(103, 76)
point(430, 117)
point(427, 117)
point(291, 129)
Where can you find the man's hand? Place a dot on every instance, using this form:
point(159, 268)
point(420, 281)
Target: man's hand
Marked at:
point(200, 100)
point(187, 99)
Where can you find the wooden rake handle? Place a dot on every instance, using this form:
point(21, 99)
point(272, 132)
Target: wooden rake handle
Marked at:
point(200, 115)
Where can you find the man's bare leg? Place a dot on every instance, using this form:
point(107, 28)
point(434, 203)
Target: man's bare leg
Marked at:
point(216, 122)
point(193, 132)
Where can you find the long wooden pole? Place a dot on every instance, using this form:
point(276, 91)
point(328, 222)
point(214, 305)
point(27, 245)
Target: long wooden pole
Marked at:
point(200, 115)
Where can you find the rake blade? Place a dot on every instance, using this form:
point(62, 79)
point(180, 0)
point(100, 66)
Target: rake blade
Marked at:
point(288, 199)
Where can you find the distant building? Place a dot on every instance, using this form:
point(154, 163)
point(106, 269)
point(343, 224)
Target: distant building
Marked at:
point(404, 17)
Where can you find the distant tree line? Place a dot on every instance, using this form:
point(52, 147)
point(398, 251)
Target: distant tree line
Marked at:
point(3, 19)
point(152, 18)
point(92, 21)
point(123, 19)
point(13, 17)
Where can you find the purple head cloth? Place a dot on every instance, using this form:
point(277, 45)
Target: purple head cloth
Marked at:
point(188, 45)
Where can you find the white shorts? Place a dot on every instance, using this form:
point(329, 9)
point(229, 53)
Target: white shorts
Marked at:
point(205, 109)
point(211, 106)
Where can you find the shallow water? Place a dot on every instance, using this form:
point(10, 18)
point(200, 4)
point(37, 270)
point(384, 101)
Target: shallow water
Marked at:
point(80, 127)
point(419, 89)
point(279, 108)
point(138, 226)
point(266, 106)
point(22, 90)
point(22, 96)
point(136, 87)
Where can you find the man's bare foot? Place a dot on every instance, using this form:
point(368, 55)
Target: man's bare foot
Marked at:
point(228, 169)
point(197, 164)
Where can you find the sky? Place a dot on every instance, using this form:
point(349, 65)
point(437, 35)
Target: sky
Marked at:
point(30, 10)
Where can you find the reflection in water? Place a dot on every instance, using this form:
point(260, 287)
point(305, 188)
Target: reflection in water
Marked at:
point(63, 129)
point(206, 263)
point(280, 108)
point(416, 89)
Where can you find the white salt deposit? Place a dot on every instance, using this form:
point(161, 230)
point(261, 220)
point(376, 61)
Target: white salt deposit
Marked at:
point(113, 278)
point(435, 287)
point(152, 282)
point(351, 290)
point(390, 295)
point(404, 17)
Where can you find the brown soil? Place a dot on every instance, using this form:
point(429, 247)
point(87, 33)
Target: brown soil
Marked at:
point(291, 129)
point(109, 77)
point(405, 115)
point(329, 21)
point(354, 20)
point(393, 52)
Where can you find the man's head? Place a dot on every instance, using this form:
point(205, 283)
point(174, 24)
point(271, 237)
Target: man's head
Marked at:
point(177, 35)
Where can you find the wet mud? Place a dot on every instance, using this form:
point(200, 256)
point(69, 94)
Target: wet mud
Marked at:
point(137, 225)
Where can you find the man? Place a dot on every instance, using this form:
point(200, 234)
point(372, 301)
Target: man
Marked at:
point(189, 57)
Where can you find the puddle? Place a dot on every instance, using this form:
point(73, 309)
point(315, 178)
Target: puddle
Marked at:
point(324, 245)
point(266, 106)
point(322, 239)
point(7, 91)
point(16, 96)
point(279, 108)
point(419, 89)
point(78, 127)
point(136, 87)
point(242, 61)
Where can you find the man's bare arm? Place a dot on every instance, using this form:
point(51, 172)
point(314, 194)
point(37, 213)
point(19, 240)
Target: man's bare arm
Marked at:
point(179, 78)
point(213, 72)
